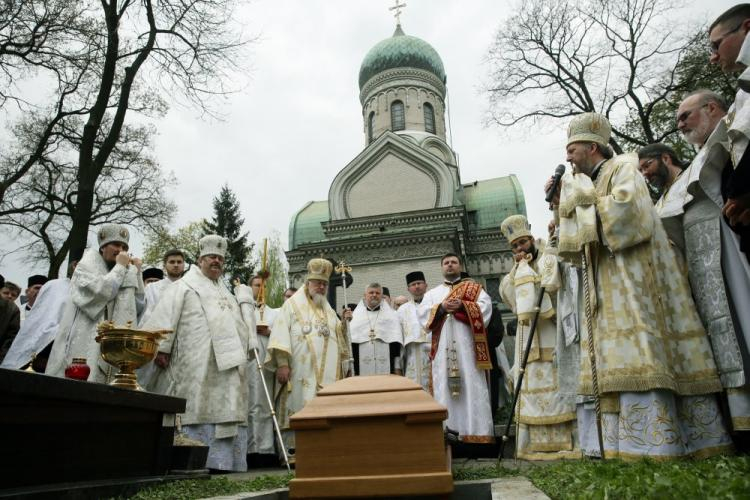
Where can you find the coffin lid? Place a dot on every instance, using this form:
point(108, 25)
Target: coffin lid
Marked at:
point(376, 395)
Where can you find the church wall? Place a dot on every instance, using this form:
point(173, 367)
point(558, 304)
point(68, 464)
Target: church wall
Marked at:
point(391, 275)
point(393, 185)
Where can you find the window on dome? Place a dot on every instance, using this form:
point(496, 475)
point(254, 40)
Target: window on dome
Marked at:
point(398, 121)
point(429, 118)
point(370, 126)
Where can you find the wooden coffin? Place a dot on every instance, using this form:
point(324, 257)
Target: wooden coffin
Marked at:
point(377, 436)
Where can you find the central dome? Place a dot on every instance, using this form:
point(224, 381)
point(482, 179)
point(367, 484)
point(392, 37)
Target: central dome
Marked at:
point(401, 51)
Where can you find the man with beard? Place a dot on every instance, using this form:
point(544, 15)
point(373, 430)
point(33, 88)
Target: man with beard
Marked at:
point(719, 275)
point(417, 340)
point(376, 335)
point(546, 420)
point(106, 286)
point(457, 312)
point(205, 358)
point(308, 347)
point(174, 266)
point(730, 49)
point(659, 164)
point(655, 370)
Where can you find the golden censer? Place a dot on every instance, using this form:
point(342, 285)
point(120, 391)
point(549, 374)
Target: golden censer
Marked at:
point(127, 349)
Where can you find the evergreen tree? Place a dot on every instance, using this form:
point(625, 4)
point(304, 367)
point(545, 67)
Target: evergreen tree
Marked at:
point(227, 222)
point(277, 268)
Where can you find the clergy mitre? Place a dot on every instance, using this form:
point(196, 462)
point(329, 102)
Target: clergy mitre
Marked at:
point(319, 269)
point(515, 227)
point(212, 244)
point(589, 127)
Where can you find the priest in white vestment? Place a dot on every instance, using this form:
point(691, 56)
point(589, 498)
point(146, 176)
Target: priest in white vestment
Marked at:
point(205, 359)
point(149, 376)
point(417, 340)
point(457, 313)
point(41, 325)
point(655, 372)
point(106, 286)
point(261, 437)
point(308, 347)
point(376, 335)
point(546, 420)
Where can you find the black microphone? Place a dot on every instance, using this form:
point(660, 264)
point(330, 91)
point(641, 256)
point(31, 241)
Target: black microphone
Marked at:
point(559, 171)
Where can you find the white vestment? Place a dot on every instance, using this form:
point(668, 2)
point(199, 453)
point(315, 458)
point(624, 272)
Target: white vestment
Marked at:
point(311, 341)
point(546, 419)
point(469, 413)
point(41, 324)
point(209, 350)
point(417, 345)
point(261, 434)
point(149, 375)
point(373, 332)
point(96, 294)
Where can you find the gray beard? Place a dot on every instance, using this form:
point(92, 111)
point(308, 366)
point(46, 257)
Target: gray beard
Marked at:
point(318, 300)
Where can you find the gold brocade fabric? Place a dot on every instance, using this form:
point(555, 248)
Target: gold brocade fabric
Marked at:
point(647, 331)
point(546, 420)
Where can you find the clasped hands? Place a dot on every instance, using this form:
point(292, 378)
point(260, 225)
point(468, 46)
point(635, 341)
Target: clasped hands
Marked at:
point(451, 306)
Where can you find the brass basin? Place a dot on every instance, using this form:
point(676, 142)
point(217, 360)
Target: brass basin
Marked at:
point(127, 349)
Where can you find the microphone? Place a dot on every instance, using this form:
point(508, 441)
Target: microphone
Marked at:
point(559, 171)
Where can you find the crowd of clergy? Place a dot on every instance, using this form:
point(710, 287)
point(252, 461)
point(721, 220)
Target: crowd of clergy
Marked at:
point(631, 339)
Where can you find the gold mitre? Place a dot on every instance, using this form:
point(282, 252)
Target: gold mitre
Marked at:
point(515, 227)
point(319, 269)
point(212, 244)
point(589, 127)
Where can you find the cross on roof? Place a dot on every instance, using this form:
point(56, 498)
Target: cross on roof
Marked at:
point(397, 8)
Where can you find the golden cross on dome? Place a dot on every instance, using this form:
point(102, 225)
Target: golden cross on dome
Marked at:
point(397, 8)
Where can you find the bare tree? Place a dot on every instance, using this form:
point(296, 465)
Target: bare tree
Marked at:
point(103, 60)
point(556, 59)
point(130, 190)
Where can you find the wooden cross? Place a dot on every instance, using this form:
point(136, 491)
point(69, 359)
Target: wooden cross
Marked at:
point(397, 8)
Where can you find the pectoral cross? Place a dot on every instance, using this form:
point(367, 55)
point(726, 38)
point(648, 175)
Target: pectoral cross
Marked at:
point(372, 335)
point(397, 8)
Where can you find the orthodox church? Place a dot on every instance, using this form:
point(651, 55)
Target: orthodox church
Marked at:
point(400, 204)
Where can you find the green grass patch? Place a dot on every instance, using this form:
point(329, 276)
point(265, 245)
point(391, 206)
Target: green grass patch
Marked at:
point(201, 488)
point(715, 478)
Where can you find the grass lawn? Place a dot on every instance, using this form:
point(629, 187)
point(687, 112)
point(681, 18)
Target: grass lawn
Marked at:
point(715, 478)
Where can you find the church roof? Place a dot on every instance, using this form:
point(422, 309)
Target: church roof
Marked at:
point(492, 200)
point(305, 225)
point(401, 51)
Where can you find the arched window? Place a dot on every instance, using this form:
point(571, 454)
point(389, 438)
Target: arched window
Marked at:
point(429, 118)
point(397, 116)
point(370, 126)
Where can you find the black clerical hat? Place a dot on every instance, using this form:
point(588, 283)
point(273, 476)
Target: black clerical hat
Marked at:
point(415, 276)
point(153, 272)
point(37, 279)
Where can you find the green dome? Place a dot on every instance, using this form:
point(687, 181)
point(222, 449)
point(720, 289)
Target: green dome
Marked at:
point(401, 51)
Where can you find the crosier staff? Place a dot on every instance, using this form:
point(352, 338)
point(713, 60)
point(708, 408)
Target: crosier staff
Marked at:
point(248, 315)
point(342, 269)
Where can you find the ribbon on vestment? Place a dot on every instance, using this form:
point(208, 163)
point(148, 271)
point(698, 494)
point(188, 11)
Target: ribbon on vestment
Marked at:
point(468, 293)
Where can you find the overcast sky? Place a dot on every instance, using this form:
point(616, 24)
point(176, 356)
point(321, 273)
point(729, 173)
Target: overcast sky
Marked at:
point(298, 120)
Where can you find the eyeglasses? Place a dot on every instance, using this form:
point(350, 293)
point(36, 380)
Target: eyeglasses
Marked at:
point(714, 45)
point(686, 114)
